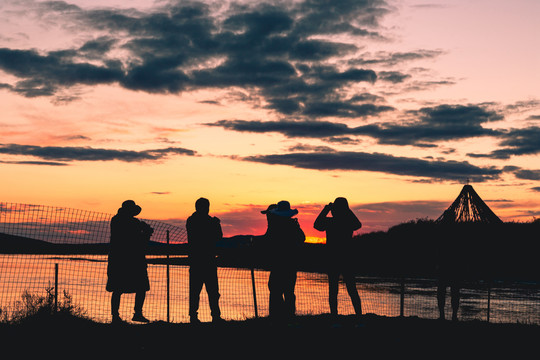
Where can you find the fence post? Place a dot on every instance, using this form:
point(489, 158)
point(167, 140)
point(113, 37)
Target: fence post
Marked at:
point(489, 300)
point(253, 284)
point(55, 287)
point(402, 298)
point(168, 280)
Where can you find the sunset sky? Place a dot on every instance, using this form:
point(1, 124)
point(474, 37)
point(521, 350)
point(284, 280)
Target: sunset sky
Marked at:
point(391, 104)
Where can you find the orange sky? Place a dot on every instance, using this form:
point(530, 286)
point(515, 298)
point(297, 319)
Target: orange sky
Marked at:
point(393, 105)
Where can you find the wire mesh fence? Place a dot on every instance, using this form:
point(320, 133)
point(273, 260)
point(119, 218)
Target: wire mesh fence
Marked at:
point(45, 247)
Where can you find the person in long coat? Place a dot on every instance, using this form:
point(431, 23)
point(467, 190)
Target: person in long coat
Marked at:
point(339, 231)
point(127, 266)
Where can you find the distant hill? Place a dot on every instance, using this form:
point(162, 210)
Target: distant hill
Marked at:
point(408, 249)
point(13, 244)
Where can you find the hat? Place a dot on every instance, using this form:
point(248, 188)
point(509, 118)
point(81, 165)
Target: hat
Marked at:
point(131, 208)
point(269, 209)
point(283, 208)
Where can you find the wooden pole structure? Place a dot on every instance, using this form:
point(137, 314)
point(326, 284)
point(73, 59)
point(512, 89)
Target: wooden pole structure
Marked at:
point(253, 286)
point(168, 280)
point(402, 298)
point(489, 300)
point(55, 287)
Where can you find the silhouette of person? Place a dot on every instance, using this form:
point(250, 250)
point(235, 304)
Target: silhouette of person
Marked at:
point(127, 267)
point(450, 266)
point(339, 231)
point(284, 236)
point(203, 231)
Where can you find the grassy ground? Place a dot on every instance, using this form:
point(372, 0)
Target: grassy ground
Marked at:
point(306, 336)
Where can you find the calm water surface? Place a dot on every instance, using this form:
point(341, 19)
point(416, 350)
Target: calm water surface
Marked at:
point(84, 277)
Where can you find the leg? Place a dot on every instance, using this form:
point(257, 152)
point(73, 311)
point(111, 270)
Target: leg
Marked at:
point(212, 289)
point(350, 282)
point(115, 305)
point(455, 295)
point(441, 298)
point(195, 287)
point(139, 302)
point(333, 288)
point(289, 297)
point(276, 294)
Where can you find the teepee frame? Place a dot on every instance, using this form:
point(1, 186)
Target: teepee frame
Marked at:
point(469, 207)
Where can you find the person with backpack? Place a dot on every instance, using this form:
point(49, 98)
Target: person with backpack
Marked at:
point(285, 238)
point(127, 267)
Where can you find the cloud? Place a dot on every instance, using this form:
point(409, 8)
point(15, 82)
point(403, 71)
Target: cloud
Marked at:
point(281, 52)
point(527, 174)
point(515, 142)
point(377, 162)
point(394, 58)
point(393, 76)
point(57, 153)
point(44, 75)
point(429, 125)
point(46, 163)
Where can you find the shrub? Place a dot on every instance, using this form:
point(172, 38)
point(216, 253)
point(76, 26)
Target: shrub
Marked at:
point(39, 306)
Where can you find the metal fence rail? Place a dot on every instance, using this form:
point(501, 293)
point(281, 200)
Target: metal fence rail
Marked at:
point(244, 292)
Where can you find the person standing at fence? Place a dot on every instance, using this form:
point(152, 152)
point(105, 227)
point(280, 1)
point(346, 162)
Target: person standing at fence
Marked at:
point(451, 265)
point(284, 236)
point(339, 232)
point(203, 231)
point(127, 267)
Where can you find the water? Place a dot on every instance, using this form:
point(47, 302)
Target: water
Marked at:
point(83, 278)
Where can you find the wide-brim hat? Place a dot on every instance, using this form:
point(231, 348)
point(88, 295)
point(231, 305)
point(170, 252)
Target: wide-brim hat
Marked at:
point(131, 208)
point(269, 209)
point(283, 208)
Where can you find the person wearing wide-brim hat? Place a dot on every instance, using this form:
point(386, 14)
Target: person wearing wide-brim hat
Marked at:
point(130, 208)
point(283, 208)
point(284, 238)
point(127, 267)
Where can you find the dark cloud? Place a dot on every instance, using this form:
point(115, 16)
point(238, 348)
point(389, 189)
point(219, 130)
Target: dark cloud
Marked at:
point(44, 75)
point(515, 142)
point(46, 163)
point(395, 58)
point(279, 51)
point(360, 161)
point(393, 76)
point(316, 129)
point(57, 153)
point(429, 125)
point(528, 174)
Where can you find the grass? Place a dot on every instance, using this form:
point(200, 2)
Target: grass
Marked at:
point(305, 336)
point(36, 329)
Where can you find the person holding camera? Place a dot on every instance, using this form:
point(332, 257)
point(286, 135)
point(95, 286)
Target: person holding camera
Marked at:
point(339, 232)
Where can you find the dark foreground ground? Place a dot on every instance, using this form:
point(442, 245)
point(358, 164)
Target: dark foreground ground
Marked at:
point(305, 337)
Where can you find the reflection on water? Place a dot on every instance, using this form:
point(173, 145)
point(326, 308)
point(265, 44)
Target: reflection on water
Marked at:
point(84, 278)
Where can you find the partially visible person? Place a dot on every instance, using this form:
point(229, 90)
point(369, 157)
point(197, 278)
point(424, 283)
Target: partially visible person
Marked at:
point(451, 267)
